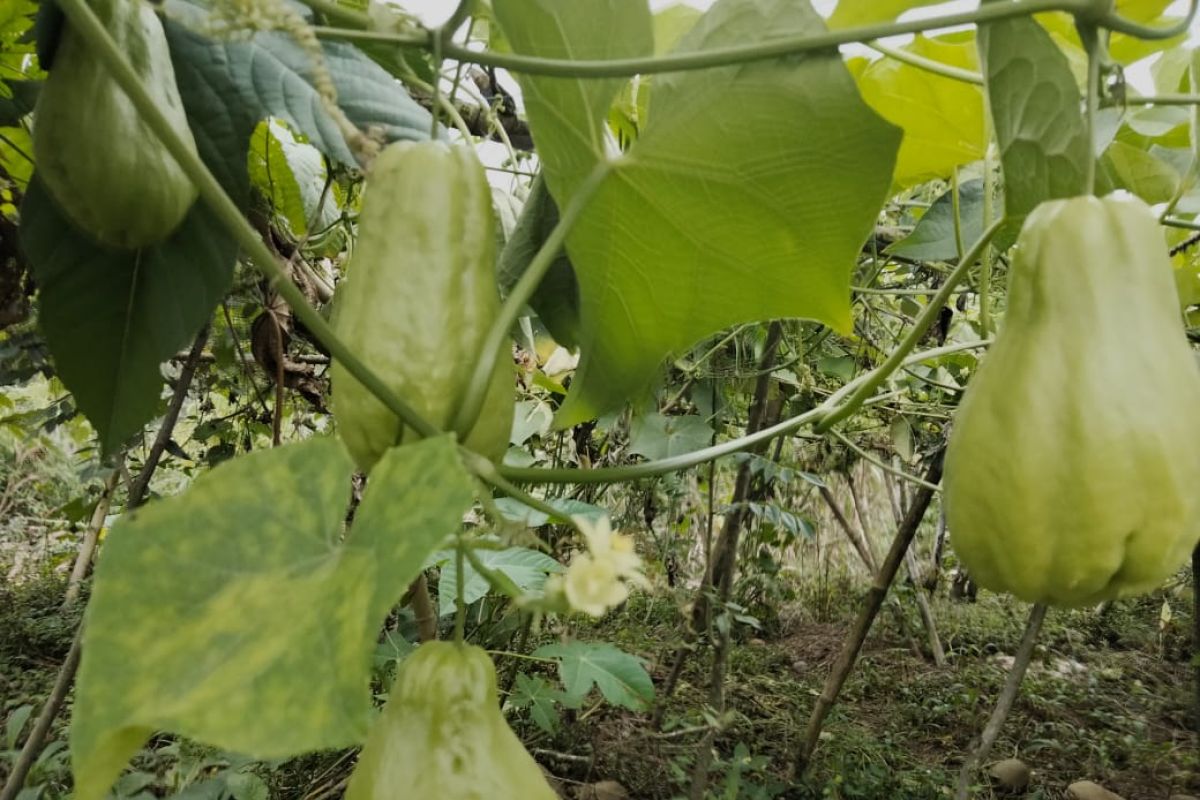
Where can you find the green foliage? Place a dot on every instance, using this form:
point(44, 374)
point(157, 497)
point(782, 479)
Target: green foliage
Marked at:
point(540, 698)
point(1036, 112)
point(113, 320)
point(292, 174)
point(620, 677)
point(942, 118)
point(697, 191)
point(255, 608)
point(656, 436)
point(527, 569)
point(854, 13)
point(112, 316)
point(215, 599)
point(934, 238)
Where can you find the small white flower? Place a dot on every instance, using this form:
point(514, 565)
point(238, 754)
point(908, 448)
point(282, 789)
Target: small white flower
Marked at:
point(598, 578)
point(617, 548)
point(592, 585)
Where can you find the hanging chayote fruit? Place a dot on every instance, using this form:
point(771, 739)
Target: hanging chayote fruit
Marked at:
point(419, 297)
point(104, 167)
point(1073, 470)
point(442, 735)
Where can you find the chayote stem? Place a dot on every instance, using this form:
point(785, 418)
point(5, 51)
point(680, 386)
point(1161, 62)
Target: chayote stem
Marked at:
point(1094, 11)
point(497, 334)
point(85, 21)
point(878, 375)
point(648, 469)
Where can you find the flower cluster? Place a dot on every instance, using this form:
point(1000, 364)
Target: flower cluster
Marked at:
point(599, 578)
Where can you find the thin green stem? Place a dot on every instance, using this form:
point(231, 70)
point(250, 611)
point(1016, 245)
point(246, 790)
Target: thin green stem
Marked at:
point(663, 466)
point(436, 52)
point(511, 654)
point(448, 28)
point(494, 476)
point(84, 20)
point(1187, 225)
point(1188, 179)
point(896, 291)
point(473, 398)
point(888, 468)
point(724, 56)
point(1095, 52)
point(458, 68)
point(922, 324)
point(985, 270)
point(786, 45)
point(1164, 100)
point(956, 208)
point(927, 64)
point(1115, 22)
point(460, 594)
point(335, 10)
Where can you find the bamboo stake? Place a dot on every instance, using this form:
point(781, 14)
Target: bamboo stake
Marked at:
point(874, 601)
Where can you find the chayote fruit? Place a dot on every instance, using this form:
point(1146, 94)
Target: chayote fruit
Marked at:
point(103, 166)
point(441, 735)
point(1073, 471)
point(419, 296)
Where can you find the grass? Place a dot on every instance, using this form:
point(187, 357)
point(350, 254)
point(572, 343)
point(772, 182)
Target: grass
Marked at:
point(1109, 698)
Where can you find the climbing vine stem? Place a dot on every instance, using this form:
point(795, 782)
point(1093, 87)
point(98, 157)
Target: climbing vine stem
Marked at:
point(648, 469)
point(876, 377)
point(87, 24)
point(772, 48)
point(523, 290)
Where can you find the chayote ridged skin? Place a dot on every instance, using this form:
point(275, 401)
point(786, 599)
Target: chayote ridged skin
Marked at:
point(1073, 471)
point(103, 166)
point(419, 296)
point(441, 735)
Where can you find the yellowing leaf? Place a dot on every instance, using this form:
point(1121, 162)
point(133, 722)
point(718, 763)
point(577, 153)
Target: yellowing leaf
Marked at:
point(942, 118)
point(853, 13)
point(703, 223)
point(1124, 49)
point(236, 614)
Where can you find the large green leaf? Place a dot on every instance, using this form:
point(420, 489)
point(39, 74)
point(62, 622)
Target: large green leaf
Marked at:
point(621, 678)
point(229, 86)
point(111, 317)
point(16, 154)
point(670, 25)
point(526, 568)
point(540, 698)
point(933, 238)
point(942, 118)
point(655, 435)
point(16, 19)
point(568, 115)
point(1036, 112)
point(1140, 172)
point(237, 615)
point(1122, 48)
point(702, 224)
point(17, 98)
point(292, 175)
